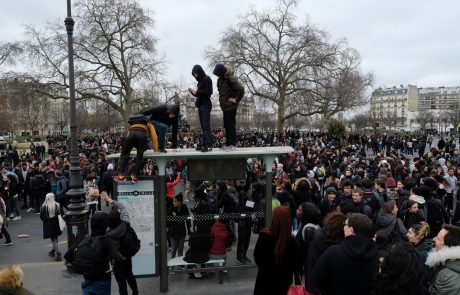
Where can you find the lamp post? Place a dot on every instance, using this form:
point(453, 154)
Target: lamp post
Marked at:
point(78, 214)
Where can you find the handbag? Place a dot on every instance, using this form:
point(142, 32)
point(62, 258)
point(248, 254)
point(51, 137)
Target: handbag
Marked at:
point(62, 223)
point(296, 290)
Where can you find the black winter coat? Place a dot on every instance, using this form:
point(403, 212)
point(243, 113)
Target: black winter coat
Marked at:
point(204, 87)
point(229, 86)
point(348, 268)
point(160, 114)
point(275, 279)
point(200, 243)
point(50, 225)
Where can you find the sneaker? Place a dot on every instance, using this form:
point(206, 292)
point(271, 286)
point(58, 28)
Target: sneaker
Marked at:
point(17, 218)
point(206, 149)
point(240, 261)
point(162, 150)
point(247, 260)
point(199, 148)
point(232, 147)
point(8, 219)
point(30, 209)
point(224, 147)
point(7, 243)
point(119, 178)
point(37, 212)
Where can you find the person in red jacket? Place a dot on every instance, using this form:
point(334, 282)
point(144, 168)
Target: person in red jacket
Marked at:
point(170, 184)
point(219, 236)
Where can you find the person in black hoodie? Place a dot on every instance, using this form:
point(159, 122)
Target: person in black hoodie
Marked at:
point(162, 117)
point(203, 103)
point(98, 279)
point(118, 223)
point(348, 268)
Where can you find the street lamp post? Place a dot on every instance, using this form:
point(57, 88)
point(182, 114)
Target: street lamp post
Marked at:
point(78, 214)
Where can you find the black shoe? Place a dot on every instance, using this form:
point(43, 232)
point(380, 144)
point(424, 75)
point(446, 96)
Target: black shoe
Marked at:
point(240, 261)
point(24, 207)
point(206, 149)
point(247, 260)
point(162, 151)
point(199, 148)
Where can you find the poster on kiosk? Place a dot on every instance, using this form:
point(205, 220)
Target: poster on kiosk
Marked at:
point(138, 199)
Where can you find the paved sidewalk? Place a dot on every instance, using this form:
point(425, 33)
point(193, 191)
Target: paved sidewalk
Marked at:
point(43, 276)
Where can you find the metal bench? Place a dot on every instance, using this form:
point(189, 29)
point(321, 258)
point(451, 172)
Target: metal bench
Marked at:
point(215, 265)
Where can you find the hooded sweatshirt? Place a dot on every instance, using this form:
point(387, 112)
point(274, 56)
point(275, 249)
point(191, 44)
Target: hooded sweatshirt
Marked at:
point(204, 87)
point(347, 268)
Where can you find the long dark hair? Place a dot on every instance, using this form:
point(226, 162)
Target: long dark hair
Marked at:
point(401, 272)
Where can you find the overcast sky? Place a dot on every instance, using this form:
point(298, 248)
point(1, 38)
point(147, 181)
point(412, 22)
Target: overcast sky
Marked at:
point(401, 42)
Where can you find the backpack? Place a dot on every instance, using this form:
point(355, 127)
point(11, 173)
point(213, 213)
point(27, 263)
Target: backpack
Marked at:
point(212, 202)
point(435, 213)
point(138, 119)
point(305, 236)
point(87, 257)
point(130, 243)
point(233, 201)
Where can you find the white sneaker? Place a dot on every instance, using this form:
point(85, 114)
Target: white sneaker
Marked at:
point(17, 218)
point(30, 209)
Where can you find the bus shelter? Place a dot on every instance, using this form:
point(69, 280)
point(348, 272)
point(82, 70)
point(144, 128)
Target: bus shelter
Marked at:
point(214, 165)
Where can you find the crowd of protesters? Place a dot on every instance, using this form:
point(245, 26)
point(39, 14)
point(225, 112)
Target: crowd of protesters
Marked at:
point(362, 200)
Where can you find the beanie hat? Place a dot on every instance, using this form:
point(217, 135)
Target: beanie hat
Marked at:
point(391, 182)
point(99, 223)
point(331, 190)
point(219, 70)
point(429, 182)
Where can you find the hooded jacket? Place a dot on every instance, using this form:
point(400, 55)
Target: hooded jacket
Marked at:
point(228, 86)
point(391, 224)
point(347, 268)
point(204, 86)
point(447, 275)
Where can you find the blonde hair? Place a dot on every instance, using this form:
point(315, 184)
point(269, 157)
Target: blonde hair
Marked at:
point(51, 205)
point(12, 277)
point(421, 230)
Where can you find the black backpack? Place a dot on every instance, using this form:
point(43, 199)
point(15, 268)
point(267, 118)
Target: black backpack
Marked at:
point(130, 243)
point(435, 213)
point(87, 257)
point(304, 236)
point(138, 119)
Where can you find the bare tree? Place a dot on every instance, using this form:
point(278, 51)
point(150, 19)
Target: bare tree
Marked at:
point(362, 120)
point(8, 51)
point(295, 67)
point(424, 118)
point(113, 52)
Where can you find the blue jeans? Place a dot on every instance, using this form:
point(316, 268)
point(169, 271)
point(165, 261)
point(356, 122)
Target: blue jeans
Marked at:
point(204, 113)
point(96, 287)
point(161, 129)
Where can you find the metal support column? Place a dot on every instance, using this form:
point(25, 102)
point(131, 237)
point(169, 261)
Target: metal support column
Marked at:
point(268, 159)
point(161, 180)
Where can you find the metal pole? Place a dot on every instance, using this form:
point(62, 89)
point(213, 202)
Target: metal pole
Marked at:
point(268, 159)
point(77, 216)
point(161, 180)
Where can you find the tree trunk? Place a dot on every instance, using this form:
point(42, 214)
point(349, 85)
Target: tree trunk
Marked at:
point(280, 121)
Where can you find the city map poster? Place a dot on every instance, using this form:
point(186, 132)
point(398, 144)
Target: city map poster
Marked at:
point(139, 201)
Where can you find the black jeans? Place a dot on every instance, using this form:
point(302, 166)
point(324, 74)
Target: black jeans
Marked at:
point(244, 237)
point(204, 113)
point(124, 273)
point(5, 233)
point(136, 139)
point(230, 127)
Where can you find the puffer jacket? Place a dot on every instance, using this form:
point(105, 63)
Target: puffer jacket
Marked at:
point(228, 86)
point(447, 271)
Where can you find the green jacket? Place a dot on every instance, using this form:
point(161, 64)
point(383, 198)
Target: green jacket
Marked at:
point(228, 86)
point(446, 280)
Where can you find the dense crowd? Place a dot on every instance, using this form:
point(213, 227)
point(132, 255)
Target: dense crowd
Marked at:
point(344, 207)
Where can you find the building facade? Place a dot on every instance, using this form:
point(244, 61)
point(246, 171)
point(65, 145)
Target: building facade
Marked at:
point(398, 107)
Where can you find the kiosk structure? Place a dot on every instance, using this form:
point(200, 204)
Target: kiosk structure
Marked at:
point(214, 165)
